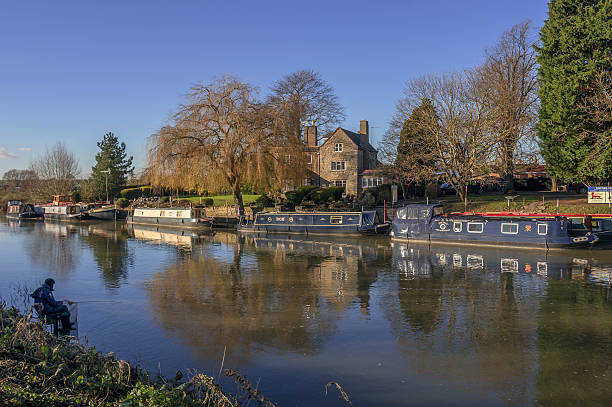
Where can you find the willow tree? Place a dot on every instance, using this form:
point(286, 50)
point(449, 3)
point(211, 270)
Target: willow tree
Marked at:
point(224, 138)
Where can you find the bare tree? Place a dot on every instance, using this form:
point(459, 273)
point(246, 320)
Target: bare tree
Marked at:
point(224, 138)
point(304, 96)
point(57, 170)
point(510, 74)
point(457, 127)
point(597, 105)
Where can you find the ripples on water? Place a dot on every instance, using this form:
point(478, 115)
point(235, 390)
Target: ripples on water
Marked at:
point(395, 324)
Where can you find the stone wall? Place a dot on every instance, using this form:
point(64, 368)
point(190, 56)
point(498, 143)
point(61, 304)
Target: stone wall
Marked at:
point(349, 154)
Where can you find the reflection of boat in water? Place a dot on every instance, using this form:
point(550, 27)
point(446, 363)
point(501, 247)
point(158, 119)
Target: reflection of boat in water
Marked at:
point(419, 261)
point(335, 223)
point(428, 223)
point(167, 235)
point(293, 244)
point(19, 210)
point(191, 218)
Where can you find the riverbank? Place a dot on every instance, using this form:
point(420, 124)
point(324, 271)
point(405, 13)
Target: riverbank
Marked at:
point(40, 369)
point(533, 203)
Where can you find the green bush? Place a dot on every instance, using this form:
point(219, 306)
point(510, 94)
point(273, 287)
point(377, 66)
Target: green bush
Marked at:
point(146, 190)
point(208, 201)
point(264, 201)
point(122, 202)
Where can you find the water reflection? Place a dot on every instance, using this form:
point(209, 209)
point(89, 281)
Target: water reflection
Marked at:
point(54, 245)
point(231, 296)
point(109, 244)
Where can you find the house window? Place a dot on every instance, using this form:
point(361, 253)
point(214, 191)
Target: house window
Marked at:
point(509, 228)
point(340, 183)
point(457, 226)
point(338, 147)
point(379, 181)
point(542, 229)
point(309, 159)
point(338, 165)
point(475, 227)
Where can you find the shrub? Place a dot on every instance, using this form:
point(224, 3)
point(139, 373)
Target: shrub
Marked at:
point(264, 201)
point(145, 191)
point(208, 202)
point(164, 199)
point(122, 202)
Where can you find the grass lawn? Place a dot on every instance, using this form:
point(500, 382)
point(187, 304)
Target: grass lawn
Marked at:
point(221, 200)
point(525, 203)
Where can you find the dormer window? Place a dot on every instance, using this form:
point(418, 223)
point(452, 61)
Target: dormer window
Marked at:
point(338, 147)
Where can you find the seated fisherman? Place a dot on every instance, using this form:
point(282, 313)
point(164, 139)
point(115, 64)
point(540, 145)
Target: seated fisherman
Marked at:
point(49, 307)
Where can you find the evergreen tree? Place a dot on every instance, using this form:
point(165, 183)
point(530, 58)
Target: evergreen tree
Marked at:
point(416, 155)
point(111, 157)
point(576, 43)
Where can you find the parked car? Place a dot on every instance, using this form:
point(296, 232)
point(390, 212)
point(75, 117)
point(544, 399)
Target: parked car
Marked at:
point(447, 189)
point(533, 184)
point(577, 187)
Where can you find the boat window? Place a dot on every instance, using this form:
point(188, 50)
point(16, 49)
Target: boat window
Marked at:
point(401, 213)
point(457, 226)
point(438, 210)
point(335, 220)
point(542, 229)
point(161, 213)
point(475, 227)
point(424, 213)
point(509, 228)
point(178, 214)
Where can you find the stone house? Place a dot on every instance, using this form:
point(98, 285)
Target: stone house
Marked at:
point(345, 158)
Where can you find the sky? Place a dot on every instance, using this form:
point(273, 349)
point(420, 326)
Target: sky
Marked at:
point(72, 71)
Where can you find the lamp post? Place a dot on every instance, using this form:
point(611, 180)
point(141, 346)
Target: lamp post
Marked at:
point(106, 172)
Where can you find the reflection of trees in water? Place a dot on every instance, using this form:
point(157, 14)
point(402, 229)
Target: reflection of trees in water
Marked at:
point(468, 326)
point(55, 246)
point(574, 345)
point(213, 304)
point(110, 251)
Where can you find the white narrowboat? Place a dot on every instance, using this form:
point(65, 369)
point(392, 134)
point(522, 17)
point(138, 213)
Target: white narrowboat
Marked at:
point(177, 217)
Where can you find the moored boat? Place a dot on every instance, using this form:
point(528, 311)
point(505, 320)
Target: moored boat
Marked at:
point(366, 222)
point(104, 212)
point(428, 223)
point(63, 209)
point(194, 218)
point(19, 210)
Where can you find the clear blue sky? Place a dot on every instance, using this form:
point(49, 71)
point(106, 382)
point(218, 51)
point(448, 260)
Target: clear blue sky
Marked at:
point(74, 70)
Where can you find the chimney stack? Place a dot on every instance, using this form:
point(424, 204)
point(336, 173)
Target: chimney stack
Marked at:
point(364, 131)
point(310, 135)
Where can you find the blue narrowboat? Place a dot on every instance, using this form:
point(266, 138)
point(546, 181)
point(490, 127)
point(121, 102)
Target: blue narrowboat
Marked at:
point(340, 223)
point(428, 223)
point(19, 210)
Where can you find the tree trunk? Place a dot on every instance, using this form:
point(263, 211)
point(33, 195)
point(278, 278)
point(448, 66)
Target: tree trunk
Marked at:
point(508, 167)
point(238, 200)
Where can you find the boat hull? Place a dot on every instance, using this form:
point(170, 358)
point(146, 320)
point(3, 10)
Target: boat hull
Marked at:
point(188, 223)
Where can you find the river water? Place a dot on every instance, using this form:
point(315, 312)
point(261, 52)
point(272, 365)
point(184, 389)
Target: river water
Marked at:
point(394, 324)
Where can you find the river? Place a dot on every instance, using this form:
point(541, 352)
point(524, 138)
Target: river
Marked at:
point(393, 324)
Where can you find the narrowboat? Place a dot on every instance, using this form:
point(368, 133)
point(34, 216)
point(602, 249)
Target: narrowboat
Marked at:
point(365, 222)
point(194, 218)
point(428, 223)
point(99, 211)
point(19, 210)
point(64, 211)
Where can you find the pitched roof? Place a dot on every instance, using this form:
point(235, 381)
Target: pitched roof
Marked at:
point(355, 138)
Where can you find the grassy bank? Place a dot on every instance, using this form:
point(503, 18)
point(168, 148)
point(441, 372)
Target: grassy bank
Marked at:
point(39, 369)
point(526, 203)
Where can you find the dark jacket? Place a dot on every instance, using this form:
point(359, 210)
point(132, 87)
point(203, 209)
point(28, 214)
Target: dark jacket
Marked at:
point(44, 295)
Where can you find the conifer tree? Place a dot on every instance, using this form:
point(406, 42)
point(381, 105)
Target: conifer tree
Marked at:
point(576, 44)
point(111, 157)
